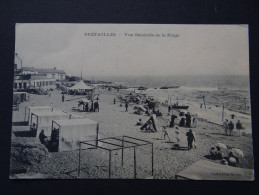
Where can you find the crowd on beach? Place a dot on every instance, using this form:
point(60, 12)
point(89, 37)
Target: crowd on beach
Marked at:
point(179, 125)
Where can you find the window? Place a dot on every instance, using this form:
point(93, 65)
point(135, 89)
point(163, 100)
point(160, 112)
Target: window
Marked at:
point(53, 76)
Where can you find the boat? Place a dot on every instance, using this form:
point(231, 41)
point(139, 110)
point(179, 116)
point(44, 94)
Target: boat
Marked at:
point(170, 87)
point(180, 107)
point(142, 88)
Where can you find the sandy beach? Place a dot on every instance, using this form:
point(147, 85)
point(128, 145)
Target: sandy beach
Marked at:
point(114, 121)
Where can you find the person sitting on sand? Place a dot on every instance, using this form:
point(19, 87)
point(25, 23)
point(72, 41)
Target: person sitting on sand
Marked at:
point(190, 139)
point(225, 125)
point(34, 129)
point(230, 127)
point(126, 106)
point(139, 123)
point(43, 137)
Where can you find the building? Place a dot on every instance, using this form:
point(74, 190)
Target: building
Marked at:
point(22, 82)
point(48, 72)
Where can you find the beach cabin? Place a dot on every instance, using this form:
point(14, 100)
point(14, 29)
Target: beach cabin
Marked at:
point(31, 109)
point(72, 131)
point(43, 120)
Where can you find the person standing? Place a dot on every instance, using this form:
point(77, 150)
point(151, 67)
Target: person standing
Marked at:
point(239, 127)
point(231, 127)
point(114, 101)
point(173, 117)
point(190, 139)
point(169, 109)
point(96, 107)
point(63, 97)
point(126, 106)
point(225, 125)
point(92, 106)
point(188, 120)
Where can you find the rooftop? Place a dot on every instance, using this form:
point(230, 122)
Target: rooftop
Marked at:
point(43, 70)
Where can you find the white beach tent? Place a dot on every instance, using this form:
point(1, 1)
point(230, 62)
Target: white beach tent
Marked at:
point(43, 119)
point(31, 109)
point(81, 86)
point(72, 131)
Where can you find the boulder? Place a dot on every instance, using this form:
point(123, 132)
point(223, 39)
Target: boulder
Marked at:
point(26, 152)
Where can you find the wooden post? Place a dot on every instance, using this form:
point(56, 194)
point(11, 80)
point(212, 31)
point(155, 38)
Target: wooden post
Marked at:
point(222, 112)
point(97, 132)
point(79, 160)
point(152, 163)
point(204, 101)
point(135, 173)
point(122, 151)
point(110, 156)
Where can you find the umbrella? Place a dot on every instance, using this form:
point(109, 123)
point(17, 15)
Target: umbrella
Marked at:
point(232, 160)
point(222, 146)
point(237, 153)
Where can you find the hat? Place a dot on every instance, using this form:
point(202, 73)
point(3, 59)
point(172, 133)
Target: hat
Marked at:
point(42, 130)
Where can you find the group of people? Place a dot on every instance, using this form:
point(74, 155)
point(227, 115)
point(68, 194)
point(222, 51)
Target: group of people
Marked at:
point(229, 127)
point(52, 142)
point(93, 107)
point(186, 120)
point(190, 136)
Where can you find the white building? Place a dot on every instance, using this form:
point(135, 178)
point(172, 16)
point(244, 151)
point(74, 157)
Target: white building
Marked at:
point(50, 73)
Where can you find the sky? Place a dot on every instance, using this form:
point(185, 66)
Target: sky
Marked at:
point(197, 49)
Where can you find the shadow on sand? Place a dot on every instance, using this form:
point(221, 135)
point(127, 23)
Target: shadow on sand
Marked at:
point(20, 123)
point(23, 134)
point(182, 148)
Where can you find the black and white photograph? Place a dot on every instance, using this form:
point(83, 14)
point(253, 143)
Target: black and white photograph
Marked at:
point(131, 101)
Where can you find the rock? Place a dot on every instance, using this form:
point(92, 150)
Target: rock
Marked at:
point(26, 152)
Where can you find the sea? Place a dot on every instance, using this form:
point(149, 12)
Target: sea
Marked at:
point(230, 91)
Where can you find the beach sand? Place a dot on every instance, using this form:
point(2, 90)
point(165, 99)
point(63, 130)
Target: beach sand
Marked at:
point(114, 121)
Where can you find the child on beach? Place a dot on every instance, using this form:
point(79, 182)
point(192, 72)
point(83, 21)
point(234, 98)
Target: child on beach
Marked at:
point(164, 131)
point(177, 132)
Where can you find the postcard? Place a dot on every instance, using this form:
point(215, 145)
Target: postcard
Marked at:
point(131, 101)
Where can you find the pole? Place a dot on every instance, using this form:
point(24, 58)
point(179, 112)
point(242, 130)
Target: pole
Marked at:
point(204, 101)
point(135, 173)
point(122, 151)
point(110, 156)
point(79, 160)
point(222, 112)
point(152, 163)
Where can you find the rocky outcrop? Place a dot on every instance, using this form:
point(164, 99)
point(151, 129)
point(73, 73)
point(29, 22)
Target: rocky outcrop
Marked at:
point(26, 152)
